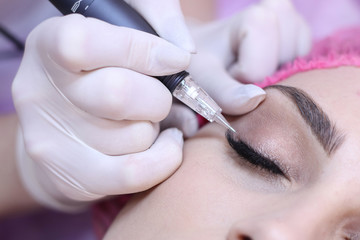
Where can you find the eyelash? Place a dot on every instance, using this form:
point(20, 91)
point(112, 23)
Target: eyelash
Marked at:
point(251, 156)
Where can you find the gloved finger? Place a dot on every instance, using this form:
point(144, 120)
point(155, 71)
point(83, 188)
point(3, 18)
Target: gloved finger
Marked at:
point(118, 93)
point(304, 40)
point(258, 45)
point(81, 44)
point(100, 175)
point(115, 137)
point(232, 96)
point(106, 136)
point(183, 118)
point(167, 19)
point(290, 25)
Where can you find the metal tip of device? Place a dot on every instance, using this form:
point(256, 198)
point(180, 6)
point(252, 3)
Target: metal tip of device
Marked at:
point(222, 121)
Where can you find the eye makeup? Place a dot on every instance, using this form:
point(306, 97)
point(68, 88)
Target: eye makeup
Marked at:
point(254, 157)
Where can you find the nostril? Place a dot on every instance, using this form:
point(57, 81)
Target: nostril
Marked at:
point(244, 237)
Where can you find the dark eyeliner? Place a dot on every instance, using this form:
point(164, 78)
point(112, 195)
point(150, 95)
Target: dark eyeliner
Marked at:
point(252, 156)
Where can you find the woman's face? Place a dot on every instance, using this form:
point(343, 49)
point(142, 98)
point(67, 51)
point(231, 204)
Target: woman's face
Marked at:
point(286, 175)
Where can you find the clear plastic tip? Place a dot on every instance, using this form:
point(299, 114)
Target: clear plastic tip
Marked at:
point(222, 121)
point(197, 99)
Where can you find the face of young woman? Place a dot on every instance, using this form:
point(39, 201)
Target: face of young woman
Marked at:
point(292, 171)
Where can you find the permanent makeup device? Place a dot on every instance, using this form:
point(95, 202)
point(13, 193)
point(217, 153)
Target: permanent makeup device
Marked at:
point(181, 85)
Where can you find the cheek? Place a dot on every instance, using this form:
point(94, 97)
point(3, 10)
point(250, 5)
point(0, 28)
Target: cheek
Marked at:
point(201, 192)
point(199, 198)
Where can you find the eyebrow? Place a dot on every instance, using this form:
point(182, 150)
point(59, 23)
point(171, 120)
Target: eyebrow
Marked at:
point(321, 126)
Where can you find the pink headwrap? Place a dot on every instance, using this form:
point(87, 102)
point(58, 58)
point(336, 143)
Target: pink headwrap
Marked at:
point(340, 49)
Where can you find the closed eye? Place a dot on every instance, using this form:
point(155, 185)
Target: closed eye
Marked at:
point(253, 157)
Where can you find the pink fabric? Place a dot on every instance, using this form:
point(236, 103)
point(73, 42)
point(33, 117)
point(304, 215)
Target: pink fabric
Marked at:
point(340, 49)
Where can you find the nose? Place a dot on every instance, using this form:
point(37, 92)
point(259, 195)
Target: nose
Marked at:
point(264, 231)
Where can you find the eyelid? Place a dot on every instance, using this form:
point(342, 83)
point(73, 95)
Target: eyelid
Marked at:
point(253, 157)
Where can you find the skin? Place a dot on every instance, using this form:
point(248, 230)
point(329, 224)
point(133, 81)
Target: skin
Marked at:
point(216, 194)
point(202, 10)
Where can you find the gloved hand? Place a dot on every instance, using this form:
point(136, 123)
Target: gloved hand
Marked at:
point(170, 26)
point(245, 49)
point(89, 111)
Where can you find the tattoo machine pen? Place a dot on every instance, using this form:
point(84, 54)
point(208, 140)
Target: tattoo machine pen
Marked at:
point(181, 85)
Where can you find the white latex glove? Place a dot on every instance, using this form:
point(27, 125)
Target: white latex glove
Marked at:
point(90, 113)
point(171, 26)
point(245, 49)
point(166, 17)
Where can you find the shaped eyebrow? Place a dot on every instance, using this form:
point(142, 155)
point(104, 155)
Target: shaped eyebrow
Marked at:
point(321, 126)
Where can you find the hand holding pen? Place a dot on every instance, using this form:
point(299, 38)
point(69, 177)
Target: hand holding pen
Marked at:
point(87, 129)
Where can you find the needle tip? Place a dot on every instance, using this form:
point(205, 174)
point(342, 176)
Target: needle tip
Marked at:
point(222, 121)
